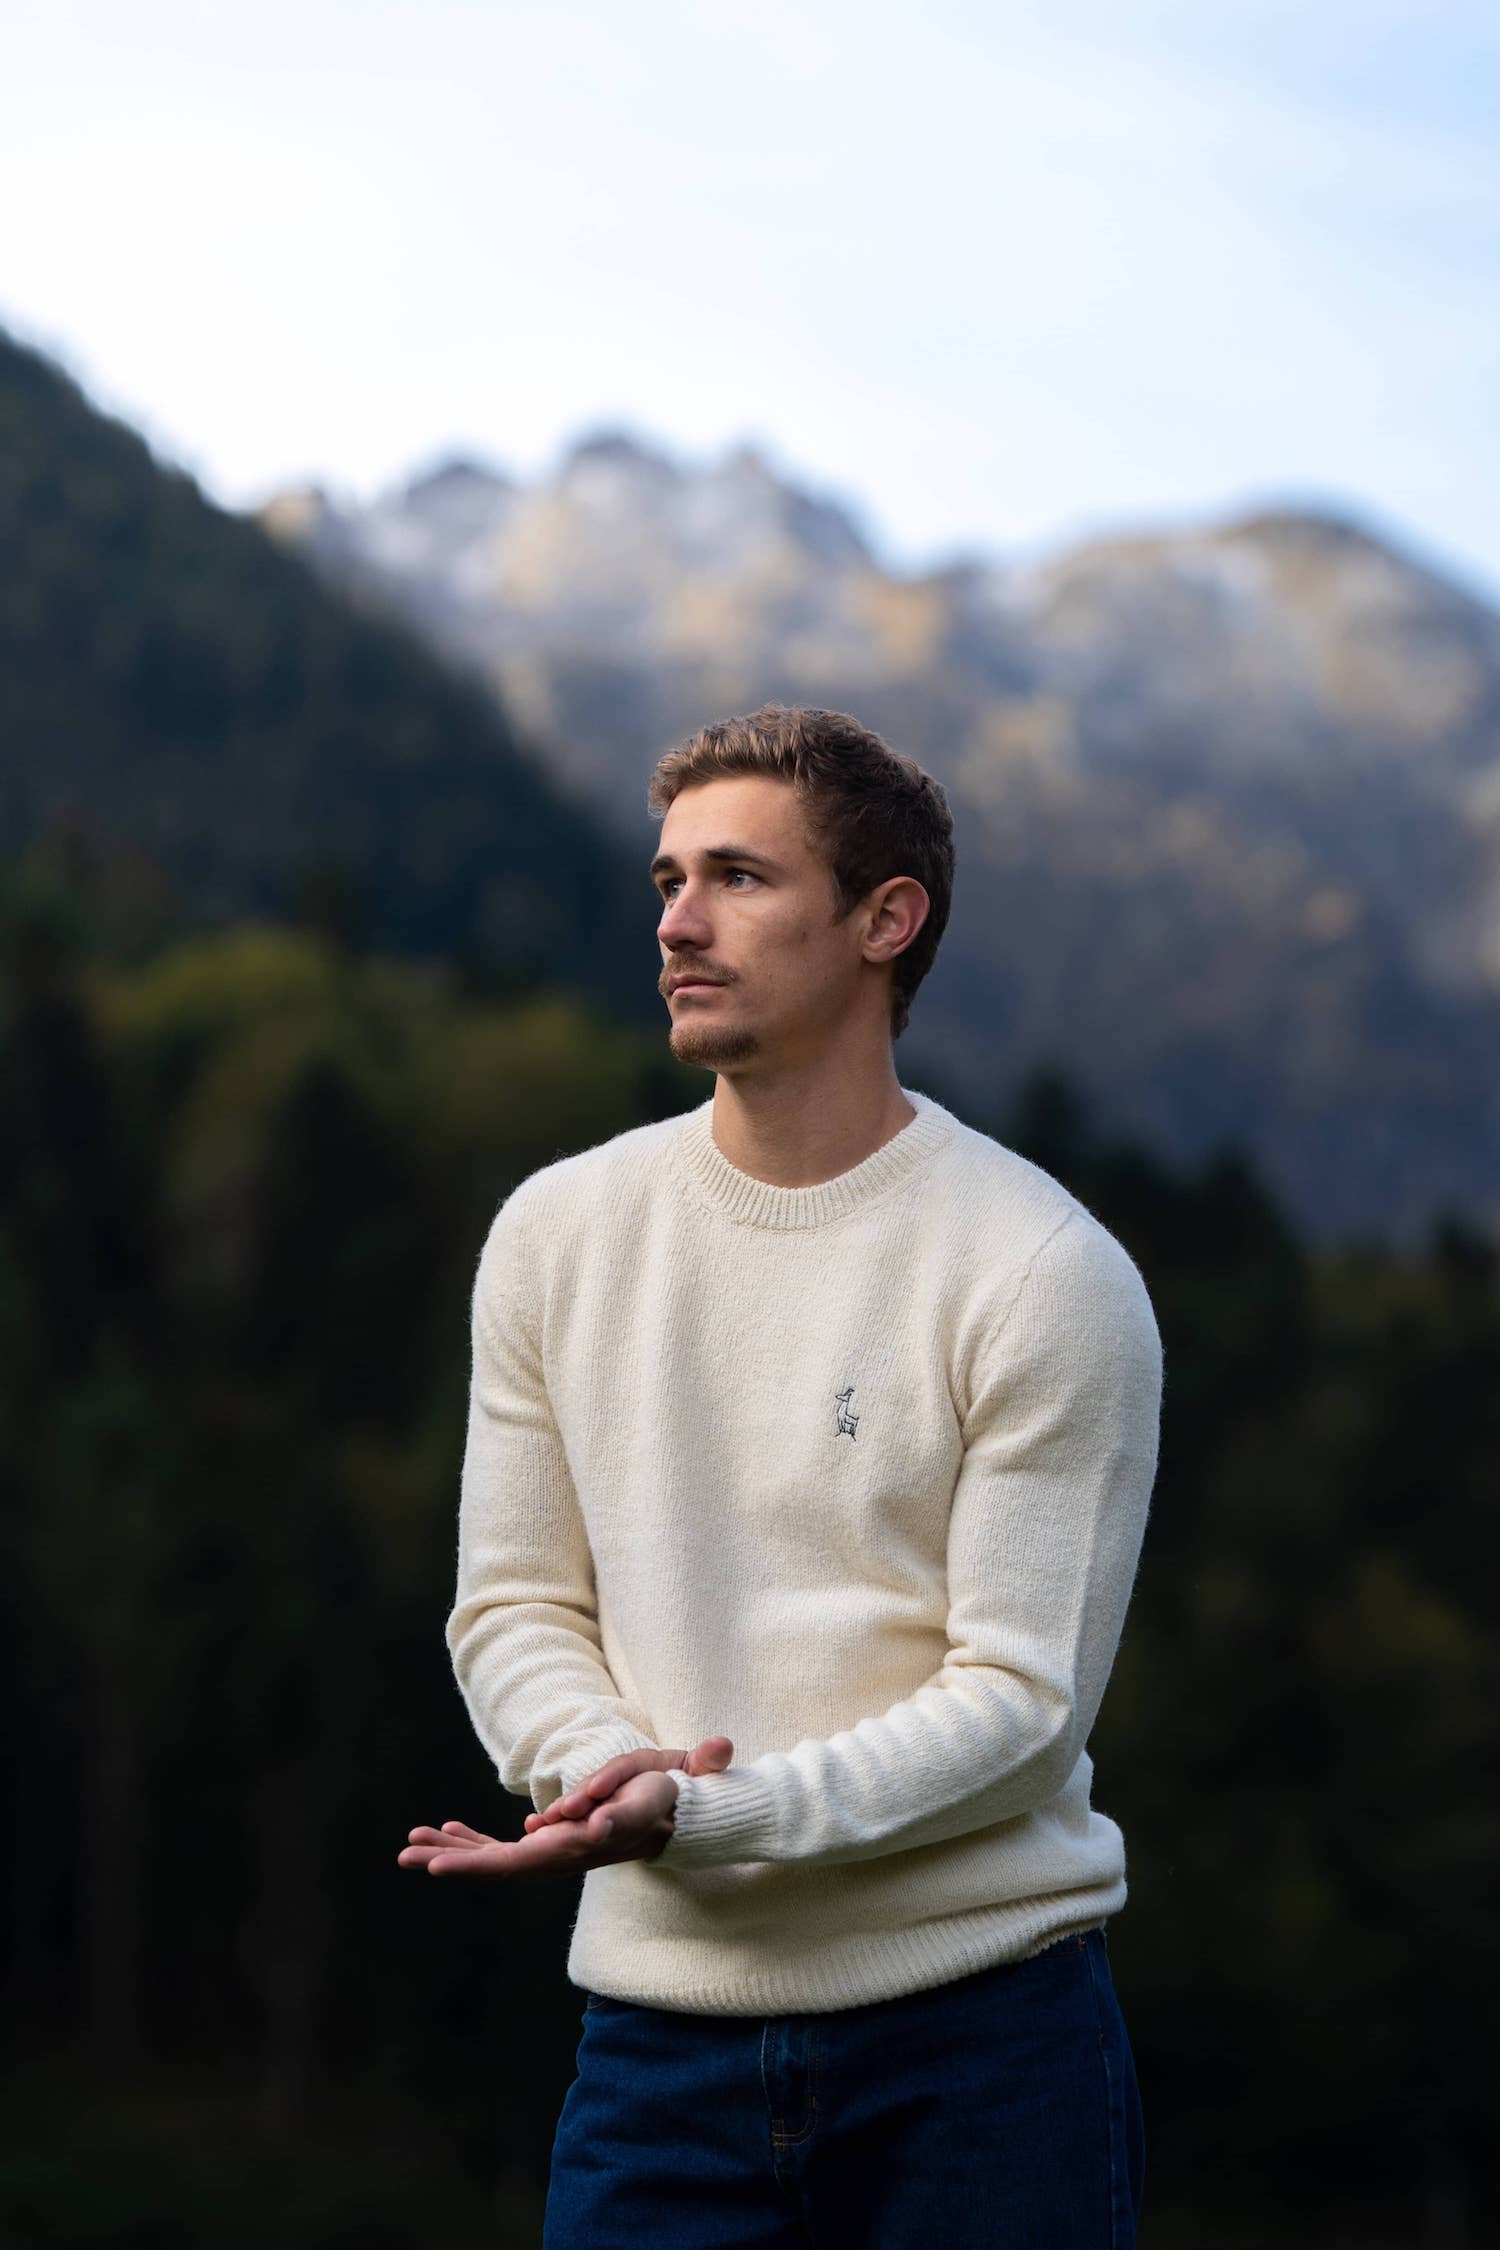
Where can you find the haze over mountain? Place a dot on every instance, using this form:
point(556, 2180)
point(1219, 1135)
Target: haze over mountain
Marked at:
point(1228, 795)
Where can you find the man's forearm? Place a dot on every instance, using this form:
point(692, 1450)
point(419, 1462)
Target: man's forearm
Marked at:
point(950, 1759)
point(543, 1704)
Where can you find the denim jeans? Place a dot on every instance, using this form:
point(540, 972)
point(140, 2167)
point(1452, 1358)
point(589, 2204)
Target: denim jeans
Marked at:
point(1000, 2109)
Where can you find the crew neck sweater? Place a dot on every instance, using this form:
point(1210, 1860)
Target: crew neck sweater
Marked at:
point(856, 1474)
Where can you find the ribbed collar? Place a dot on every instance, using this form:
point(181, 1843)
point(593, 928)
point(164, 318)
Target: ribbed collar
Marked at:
point(757, 1203)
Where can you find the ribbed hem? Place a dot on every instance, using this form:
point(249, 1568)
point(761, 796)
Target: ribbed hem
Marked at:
point(720, 1975)
point(757, 1203)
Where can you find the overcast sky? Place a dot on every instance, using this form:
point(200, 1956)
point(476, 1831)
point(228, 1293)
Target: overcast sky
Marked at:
point(1000, 274)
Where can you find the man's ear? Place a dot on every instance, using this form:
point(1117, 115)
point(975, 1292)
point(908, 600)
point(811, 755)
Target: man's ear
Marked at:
point(898, 908)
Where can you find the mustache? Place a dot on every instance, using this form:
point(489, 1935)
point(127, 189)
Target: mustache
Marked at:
point(680, 968)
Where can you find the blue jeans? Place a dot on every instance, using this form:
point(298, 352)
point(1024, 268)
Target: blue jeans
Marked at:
point(999, 2110)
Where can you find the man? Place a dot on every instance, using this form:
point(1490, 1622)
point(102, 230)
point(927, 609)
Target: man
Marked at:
point(818, 1418)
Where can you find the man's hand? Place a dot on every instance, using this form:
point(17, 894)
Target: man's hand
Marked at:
point(711, 1756)
point(636, 1825)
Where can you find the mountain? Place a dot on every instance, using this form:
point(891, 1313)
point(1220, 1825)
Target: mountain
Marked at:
point(1227, 795)
point(180, 687)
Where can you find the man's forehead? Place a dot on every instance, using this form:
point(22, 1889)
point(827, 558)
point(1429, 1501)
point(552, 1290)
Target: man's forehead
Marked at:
point(749, 812)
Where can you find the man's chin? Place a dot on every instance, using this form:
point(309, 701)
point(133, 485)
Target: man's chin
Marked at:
point(712, 1047)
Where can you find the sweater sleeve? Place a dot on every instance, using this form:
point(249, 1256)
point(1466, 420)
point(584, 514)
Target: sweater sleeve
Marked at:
point(523, 1633)
point(1048, 1516)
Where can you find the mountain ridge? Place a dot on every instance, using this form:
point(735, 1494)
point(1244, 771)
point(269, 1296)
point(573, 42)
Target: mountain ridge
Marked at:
point(1235, 783)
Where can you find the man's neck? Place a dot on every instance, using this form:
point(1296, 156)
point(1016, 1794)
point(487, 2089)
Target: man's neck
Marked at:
point(798, 1127)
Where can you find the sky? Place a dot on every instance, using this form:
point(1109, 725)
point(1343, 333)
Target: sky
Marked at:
point(999, 276)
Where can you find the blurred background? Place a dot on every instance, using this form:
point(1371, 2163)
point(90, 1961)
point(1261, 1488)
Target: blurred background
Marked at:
point(411, 423)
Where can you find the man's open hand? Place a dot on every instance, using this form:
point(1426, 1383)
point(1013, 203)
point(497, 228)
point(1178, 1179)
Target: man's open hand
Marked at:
point(636, 1824)
point(711, 1756)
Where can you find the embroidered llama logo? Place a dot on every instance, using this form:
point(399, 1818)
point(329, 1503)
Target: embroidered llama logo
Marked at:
point(847, 1423)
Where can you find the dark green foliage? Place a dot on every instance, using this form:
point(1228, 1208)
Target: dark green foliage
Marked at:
point(176, 683)
point(245, 1179)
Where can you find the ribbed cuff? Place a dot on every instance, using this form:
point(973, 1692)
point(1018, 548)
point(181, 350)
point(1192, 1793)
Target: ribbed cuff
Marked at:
point(720, 1817)
point(593, 1751)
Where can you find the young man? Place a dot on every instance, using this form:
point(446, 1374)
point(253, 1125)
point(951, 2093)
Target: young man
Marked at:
point(818, 1431)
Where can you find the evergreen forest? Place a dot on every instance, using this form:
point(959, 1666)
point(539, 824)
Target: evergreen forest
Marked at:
point(245, 1177)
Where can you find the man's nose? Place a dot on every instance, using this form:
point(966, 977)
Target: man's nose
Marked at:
point(684, 919)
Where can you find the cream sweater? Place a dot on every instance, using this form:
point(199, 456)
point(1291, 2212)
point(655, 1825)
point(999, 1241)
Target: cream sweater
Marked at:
point(856, 1474)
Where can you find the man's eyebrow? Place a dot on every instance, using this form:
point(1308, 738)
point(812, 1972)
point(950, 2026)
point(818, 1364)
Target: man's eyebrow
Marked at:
point(664, 860)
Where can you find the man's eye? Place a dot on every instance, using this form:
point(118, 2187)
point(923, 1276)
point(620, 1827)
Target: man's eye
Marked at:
point(669, 883)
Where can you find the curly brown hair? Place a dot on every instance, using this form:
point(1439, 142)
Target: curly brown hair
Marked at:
point(872, 813)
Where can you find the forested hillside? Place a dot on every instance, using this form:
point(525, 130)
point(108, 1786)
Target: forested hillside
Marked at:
point(176, 685)
point(243, 1186)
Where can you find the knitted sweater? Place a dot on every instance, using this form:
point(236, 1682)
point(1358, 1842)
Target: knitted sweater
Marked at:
point(856, 1474)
